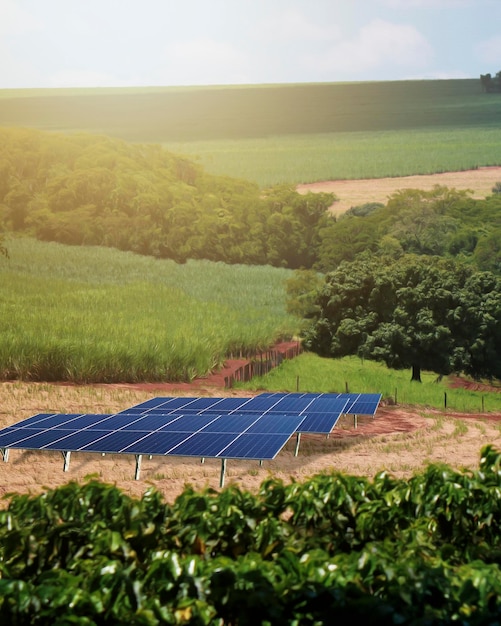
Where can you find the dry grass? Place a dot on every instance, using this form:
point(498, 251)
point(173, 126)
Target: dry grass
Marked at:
point(357, 192)
point(401, 440)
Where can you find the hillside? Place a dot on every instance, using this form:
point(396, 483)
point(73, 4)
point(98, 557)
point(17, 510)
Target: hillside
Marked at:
point(236, 112)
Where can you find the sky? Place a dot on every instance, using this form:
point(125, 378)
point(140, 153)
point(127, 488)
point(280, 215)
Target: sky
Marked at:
point(129, 43)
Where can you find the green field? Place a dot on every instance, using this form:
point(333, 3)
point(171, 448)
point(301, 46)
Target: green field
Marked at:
point(310, 373)
point(296, 159)
point(90, 314)
point(286, 133)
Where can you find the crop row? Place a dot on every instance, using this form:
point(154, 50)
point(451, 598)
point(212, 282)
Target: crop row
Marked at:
point(100, 315)
point(303, 158)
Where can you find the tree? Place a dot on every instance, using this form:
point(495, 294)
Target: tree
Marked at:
point(417, 312)
point(490, 84)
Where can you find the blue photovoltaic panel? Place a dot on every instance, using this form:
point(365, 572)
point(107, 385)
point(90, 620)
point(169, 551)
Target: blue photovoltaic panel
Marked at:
point(319, 423)
point(74, 440)
point(154, 403)
point(256, 427)
point(204, 444)
point(277, 424)
point(187, 423)
point(39, 439)
point(252, 446)
point(321, 411)
point(117, 422)
point(42, 420)
point(12, 437)
point(111, 442)
point(191, 434)
point(274, 424)
point(165, 406)
point(155, 443)
point(232, 423)
point(357, 403)
point(366, 404)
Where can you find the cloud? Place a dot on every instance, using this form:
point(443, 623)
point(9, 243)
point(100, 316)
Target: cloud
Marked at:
point(293, 25)
point(378, 44)
point(204, 61)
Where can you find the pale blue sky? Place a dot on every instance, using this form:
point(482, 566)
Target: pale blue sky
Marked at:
point(84, 43)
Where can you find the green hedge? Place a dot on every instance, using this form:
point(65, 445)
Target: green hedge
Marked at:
point(332, 549)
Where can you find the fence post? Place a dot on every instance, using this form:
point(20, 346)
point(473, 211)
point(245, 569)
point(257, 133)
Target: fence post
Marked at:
point(445, 399)
point(297, 384)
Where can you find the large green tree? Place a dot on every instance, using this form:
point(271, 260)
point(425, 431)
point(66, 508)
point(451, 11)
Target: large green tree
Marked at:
point(418, 312)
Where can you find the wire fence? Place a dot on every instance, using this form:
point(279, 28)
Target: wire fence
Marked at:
point(262, 364)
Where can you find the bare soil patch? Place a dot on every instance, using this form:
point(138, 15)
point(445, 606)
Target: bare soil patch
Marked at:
point(356, 192)
point(399, 439)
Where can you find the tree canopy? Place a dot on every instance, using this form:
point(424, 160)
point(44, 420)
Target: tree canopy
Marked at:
point(415, 312)
point(438, 222)
point(82, 189)
point(94, 190)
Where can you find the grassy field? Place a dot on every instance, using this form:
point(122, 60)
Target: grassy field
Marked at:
point(286, 133)
point(100, 315)
point(296, 159)
point(311, 373)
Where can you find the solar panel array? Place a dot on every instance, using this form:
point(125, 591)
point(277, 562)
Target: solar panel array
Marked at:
point(239, 436)
point(225, 428)
point(321, 411)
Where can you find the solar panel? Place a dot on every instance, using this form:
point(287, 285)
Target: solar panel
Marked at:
point(359, 403)
point(238, 436)
point(239, 428)
point(321, 413)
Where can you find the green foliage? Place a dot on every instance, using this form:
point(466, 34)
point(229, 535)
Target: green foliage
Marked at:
point(420, 312)
point(94, 190)
point(301, 292)
point(440, 222)
point(99, 315)
point(386, 550)
point(491, 84)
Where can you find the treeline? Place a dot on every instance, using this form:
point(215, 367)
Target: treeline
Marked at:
point(491, 84)
point(439, 222)
point(94, 190)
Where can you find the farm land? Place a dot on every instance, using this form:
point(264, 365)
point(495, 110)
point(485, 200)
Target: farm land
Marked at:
point(413, 135)
point(419, 543)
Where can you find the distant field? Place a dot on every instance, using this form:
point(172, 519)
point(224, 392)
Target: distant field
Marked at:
point(349, 193)
point(287, 133)
point(299, 159)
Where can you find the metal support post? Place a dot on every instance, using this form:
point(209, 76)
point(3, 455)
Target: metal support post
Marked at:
point(139, 458)
point(66, 457)
point(298, 439)
point(5, 454)
point(223, 470)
